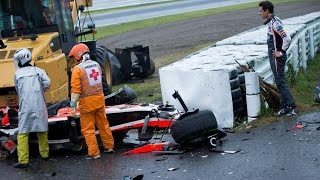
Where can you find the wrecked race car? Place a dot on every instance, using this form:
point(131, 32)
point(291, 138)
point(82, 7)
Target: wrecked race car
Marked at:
point(65, 131)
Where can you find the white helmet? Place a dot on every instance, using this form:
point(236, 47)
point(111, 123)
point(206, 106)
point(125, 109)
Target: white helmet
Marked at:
point(22, 56)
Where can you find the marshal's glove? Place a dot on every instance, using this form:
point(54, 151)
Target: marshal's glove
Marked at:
point(73, 104)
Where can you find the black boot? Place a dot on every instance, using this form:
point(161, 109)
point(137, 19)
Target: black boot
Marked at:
point(21, 166)
point(2, 45)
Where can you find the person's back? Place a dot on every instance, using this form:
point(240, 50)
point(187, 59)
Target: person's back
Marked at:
point(28, 80)
point(30, 83)
point(90, 86)
point(32, 105)
point(86, 87)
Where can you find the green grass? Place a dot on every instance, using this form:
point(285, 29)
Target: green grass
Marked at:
point(168, 59)
point(302, 90)
point(112, 30)
point(149, 90)
point(304, 84)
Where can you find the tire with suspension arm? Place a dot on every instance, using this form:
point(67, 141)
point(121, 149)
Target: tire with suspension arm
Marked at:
point(104, 62)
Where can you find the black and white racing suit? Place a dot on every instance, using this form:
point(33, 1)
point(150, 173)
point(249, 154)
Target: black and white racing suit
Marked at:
point(280, 41)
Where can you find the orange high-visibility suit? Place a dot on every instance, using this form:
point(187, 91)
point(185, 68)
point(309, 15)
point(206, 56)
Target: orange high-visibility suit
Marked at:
point(86, 81)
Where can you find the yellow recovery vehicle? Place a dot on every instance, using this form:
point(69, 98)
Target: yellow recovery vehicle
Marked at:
point(47, 29)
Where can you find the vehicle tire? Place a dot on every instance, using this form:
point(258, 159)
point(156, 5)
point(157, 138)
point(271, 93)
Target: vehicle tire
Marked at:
point(150, 71)
point(117, 76)
point(236, 93)
point(104, 62)
point(238, 108)
point(244, 99)
point(234, 83)
point(237, 104)
point(239, 112)
point(193, 127)
point(233, 74)
point(243, 92)
point(241, 79)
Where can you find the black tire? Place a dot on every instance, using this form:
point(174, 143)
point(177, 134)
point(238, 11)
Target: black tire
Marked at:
point(236, 93)
point(234, 83)
point(104, 62)
point(243, 92)
point(149, 72)
point(117, 76)
point(193, 127)
point(241, 79)
point(244, 99)
point(233, 74)
point(238, 112)
point(237, 104)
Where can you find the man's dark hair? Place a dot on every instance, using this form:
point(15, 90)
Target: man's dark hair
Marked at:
point(266, 5)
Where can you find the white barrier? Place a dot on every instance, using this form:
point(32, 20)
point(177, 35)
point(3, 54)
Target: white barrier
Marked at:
point(247, 47)
point(252, 83)
point(252, 95)
point(199, 89)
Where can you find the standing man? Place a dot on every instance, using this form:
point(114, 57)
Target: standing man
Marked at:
point(278, 42)
point(30, 83)
point(86, 86)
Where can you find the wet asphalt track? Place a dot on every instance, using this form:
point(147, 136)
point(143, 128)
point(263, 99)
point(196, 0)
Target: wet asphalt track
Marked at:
point(269, 152)
point(177, 37)
point(159, 10)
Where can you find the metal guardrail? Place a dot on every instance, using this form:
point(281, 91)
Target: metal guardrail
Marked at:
point(247, 47)
point(305, 34)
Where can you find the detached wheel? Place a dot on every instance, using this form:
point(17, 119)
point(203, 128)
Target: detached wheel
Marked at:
point(193, 127)
point(152, 68)
point(117, 76)
point(150, 71)
point(104, 62)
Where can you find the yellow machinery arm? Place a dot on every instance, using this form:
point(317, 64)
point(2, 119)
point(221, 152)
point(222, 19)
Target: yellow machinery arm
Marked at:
point(76, 6)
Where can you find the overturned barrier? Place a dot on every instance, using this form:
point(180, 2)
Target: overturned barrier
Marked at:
point(202, 77)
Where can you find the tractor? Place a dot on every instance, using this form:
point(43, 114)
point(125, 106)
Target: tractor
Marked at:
point(49, 29)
